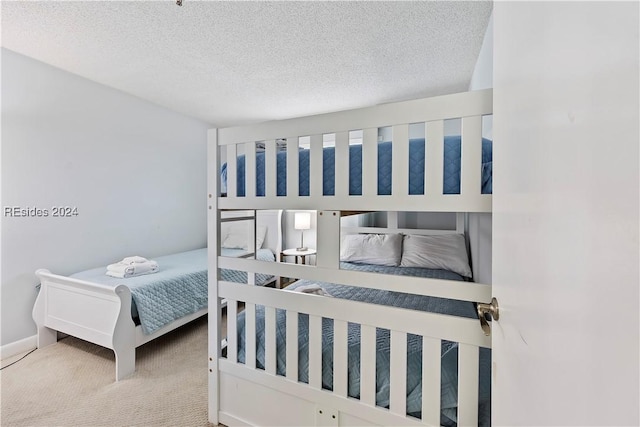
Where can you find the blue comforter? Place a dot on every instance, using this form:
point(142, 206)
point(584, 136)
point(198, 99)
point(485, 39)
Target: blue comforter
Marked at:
point(449, 353)
point(241, 276)
point(451, 178)
point(179, 288)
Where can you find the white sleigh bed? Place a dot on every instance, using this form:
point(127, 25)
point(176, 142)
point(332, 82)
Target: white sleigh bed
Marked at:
point(100, 309)
point(257, 382)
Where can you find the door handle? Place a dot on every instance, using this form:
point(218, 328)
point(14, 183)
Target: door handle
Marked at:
point(491, 309)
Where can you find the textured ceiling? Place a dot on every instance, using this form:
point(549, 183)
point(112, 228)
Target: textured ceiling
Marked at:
point(231, 63)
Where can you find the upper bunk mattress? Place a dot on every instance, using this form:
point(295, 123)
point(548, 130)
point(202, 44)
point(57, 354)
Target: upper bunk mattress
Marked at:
point(451, 176)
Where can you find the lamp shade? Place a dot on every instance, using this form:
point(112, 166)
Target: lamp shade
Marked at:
point(302, 221)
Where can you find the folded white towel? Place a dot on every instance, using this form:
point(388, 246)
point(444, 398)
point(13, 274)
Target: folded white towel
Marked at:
point(133, 260)
point(312, 289)
point(141, 266)
point(121, 275)
point(128, 270)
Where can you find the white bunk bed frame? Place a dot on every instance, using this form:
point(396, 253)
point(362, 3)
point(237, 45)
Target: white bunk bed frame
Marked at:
point(241, 394)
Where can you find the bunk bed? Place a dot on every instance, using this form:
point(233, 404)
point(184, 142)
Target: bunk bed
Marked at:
point(356, 353)
point(125, 313)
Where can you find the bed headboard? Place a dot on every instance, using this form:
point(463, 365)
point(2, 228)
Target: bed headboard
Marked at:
point(475, 227)
point(393, 226)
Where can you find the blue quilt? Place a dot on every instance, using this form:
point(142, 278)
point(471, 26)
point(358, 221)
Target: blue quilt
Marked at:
point(451, 178)
point(179, 288)
point(449, 354)
point(241, 276)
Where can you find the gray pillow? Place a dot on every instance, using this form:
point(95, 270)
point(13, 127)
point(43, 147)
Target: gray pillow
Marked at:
point(379, 249)
point(445, 252)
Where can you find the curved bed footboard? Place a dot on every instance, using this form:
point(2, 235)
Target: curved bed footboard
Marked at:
point(90, 311)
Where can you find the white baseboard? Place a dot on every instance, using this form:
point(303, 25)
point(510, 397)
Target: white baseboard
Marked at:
point(18, 347)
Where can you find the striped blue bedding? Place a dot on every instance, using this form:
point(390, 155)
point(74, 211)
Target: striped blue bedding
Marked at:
point(449, 353)
point(451, 177)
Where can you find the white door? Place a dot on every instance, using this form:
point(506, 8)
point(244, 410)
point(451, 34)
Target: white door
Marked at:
point(565, 213)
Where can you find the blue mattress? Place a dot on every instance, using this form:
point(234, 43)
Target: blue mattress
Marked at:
point(449, 353)
point(179, 288)
point(451, 178)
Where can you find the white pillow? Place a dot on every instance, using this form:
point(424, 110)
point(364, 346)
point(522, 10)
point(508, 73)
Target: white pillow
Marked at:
point(379, 249)
point(236, 236)
point(446, 252)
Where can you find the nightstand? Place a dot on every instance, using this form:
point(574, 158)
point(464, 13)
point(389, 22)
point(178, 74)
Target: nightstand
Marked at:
point(300, 255)
point(300, 258)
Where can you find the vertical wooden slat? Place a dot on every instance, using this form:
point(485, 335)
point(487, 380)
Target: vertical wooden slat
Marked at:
point(250, 335)
point(370, 162)
point(368, 365)
point(315, 166)
point(232, 331)
point(471, 162)
point(270, 182)
point(292, 345)
point(340, 361)
point(250, 169)
point(460, 222)
point(270, 340)
point(400, 160)
point(434, 162)
point(468, 381)
point(251, 242)
point(315, 351)
point(398, 373)
point(342, 164)
point(328, 239)
point(251, 277)
point(232, 170)
point(392, 219)
point(431, 378)
point(292, 167)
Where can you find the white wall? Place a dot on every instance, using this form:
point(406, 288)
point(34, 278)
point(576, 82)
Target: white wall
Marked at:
point(135, 172)
point(482, 77)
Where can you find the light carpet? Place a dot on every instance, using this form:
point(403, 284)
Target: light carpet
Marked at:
point(72, 383)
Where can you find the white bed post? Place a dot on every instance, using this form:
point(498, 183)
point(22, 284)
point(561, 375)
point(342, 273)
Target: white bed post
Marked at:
point(46, 336)
point(215, 309)
point(124, 336)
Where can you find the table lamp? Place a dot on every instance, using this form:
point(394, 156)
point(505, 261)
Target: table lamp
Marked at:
point(302, 221)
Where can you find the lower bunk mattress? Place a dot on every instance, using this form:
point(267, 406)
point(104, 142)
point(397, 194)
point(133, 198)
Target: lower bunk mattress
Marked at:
point(449, 350)
point(177, 289)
